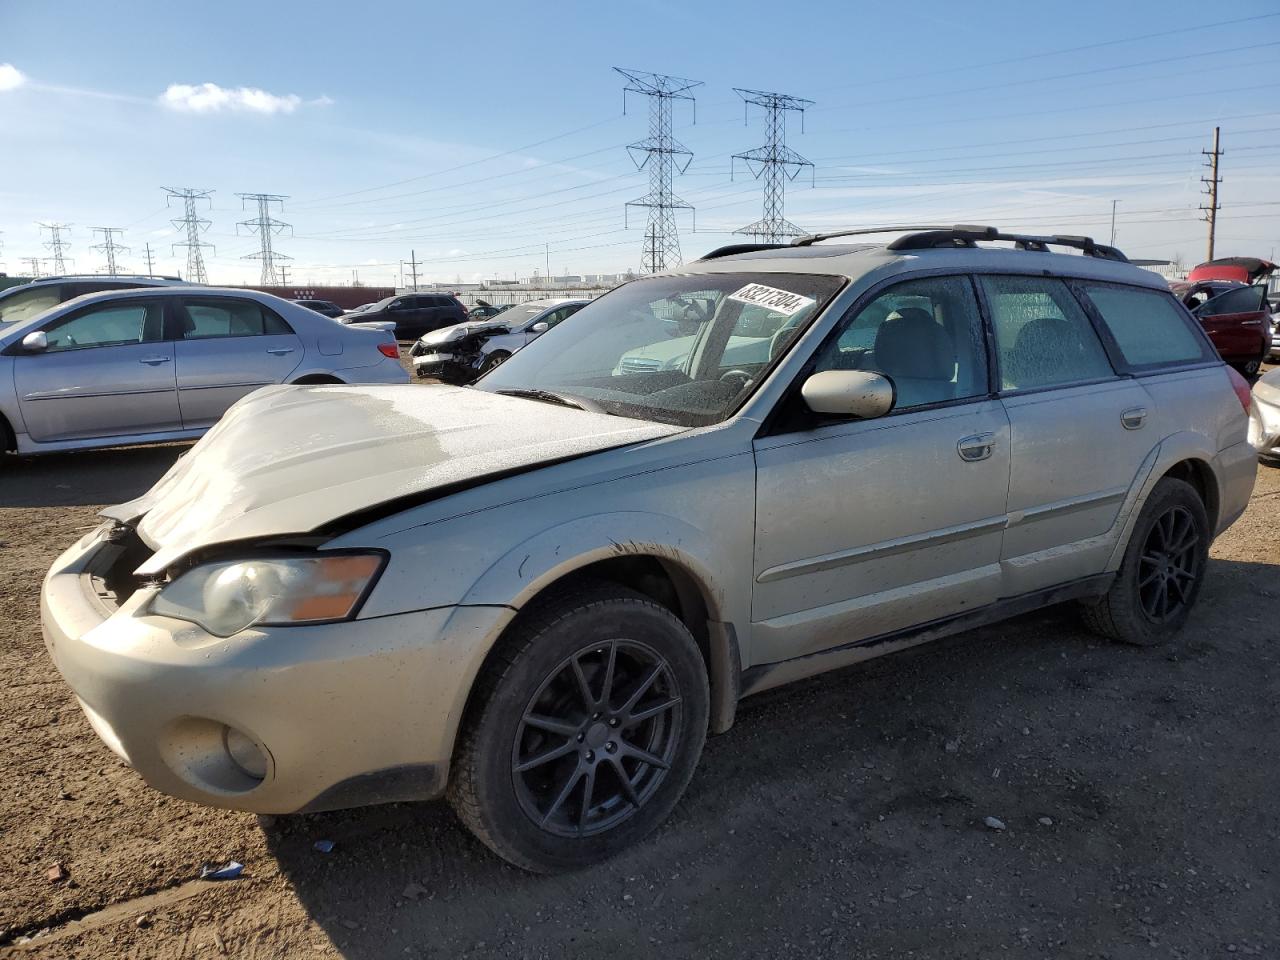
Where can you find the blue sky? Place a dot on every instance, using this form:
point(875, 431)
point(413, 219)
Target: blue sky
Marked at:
point(476, 133)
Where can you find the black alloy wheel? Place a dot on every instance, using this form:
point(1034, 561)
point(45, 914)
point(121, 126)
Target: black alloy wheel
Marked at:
point(587, 722)
point(1169, 565)
point(1162, 569)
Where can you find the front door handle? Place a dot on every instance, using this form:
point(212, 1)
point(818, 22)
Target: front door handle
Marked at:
point(279, 351)
point(1134, 418)
point(153, 361)
point(977, 447)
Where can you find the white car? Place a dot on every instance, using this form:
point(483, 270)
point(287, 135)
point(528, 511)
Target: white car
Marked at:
point(1264, 418)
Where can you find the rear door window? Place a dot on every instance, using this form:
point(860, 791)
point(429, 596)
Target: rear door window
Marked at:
point(204, 319)
point(1148, 326)
point(1043, 336)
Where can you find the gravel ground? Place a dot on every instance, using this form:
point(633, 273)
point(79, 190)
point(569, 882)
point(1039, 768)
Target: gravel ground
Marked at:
point(843, 816)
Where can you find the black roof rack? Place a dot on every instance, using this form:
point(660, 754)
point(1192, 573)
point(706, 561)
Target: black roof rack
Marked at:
point(813, 238)
point(108, 276)
point(968, 236)
point(734, 248)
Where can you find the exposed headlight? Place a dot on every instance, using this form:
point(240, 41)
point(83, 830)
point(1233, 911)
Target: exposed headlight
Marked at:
point(227, 597)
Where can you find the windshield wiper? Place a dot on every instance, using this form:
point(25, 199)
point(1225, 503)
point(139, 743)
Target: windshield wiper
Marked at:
point(547, 396)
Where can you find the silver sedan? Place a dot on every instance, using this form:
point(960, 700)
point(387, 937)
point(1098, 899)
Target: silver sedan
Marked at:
point(149, 365)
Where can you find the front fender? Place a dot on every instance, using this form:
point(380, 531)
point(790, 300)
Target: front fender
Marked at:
point(531, 566)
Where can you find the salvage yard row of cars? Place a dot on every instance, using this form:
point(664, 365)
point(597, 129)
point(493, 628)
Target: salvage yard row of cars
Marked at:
point(537, 595)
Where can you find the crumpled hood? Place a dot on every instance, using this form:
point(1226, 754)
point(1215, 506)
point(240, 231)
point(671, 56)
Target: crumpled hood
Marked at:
point(289, 459)
point(460, 331)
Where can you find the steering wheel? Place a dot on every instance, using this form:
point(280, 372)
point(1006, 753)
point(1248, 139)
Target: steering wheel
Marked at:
point(731, 375)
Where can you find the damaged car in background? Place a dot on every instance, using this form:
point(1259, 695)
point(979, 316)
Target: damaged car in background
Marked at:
point(465, 351)
point(538, 595)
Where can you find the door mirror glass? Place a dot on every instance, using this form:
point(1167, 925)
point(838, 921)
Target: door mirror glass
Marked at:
point(540, 327)
point(35, 342)
point(849, 393)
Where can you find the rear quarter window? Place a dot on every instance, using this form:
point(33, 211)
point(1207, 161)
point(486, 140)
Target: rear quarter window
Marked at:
point(1149, 328)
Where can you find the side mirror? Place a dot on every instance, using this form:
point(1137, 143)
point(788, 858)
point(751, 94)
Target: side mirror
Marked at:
point(36, 342)
point(849, 393)
point(540, 327)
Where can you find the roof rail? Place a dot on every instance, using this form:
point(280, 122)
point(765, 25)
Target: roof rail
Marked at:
point(731, 249)
point(968, 236)
point(813, 238)
point(108, 276)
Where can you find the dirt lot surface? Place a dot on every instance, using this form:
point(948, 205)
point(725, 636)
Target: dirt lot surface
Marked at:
point(843, 816)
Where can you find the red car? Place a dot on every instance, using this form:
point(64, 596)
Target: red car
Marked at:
point(1231, 304)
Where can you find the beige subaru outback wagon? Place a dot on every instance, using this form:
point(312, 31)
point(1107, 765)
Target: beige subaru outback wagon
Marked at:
point(538, 595)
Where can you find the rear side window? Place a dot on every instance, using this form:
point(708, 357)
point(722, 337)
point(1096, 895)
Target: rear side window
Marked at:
point(27, 303)
point(1043, 336)
point(202, 319)
point(1148, 326)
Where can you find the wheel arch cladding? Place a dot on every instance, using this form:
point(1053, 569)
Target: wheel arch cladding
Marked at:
point(1199, 475)
point(663, 578)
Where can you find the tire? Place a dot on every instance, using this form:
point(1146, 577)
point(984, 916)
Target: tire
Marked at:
point(491, 361)
point(1248, 370)
point(532, 706)
point(1162, 571)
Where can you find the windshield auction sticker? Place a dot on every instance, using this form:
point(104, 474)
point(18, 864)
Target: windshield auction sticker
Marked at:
point(771, 298)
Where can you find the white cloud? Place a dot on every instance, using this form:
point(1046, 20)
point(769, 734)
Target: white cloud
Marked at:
point(211, 98)
point(11, 78)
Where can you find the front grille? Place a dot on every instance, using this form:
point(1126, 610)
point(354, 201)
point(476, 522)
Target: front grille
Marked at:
point(638, 365)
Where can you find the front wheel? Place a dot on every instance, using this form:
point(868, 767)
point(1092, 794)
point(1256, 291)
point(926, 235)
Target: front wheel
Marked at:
point(492, 360)
point(1162, 571)
point(592, 718)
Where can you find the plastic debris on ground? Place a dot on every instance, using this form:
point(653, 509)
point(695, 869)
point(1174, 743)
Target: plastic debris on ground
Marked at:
point(324, 846)
point(229, 872)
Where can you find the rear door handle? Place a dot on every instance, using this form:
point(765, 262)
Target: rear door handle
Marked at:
point(279, 351)
point(153, 361)
point(1134, 418)
point(977, 447)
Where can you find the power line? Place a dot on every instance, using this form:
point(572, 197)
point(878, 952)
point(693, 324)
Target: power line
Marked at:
point(194, 225)
point(1211, 183)
point(660, 150)
point(57, 246)
point(775, 162)
point(267, 228)
point(109, 247)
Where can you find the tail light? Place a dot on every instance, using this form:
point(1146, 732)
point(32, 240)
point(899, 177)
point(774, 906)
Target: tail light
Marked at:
point(392, 350)
point(1241, 386)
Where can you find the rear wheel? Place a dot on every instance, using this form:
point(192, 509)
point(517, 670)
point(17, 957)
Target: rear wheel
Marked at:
point(1162, 571)
point(1249, 369)
point(592, 718)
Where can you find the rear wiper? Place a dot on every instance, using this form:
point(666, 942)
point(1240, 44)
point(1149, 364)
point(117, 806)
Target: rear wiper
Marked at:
point(546, 396)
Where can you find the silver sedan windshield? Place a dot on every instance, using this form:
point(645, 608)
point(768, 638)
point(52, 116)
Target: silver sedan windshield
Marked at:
point(676, 349)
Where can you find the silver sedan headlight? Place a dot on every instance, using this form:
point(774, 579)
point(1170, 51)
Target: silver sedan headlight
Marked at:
point(229, 596)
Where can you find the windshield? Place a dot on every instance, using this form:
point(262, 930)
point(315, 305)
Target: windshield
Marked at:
point(27, 303)
point(519, 313)
point(676, 349)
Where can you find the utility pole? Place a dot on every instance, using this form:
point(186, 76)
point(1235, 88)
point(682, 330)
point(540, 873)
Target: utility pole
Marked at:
point(109, 247)
point(194, 224)
point(266, 228)
point(1113, 222)
point(413, 264)
point(149, 271)
point(57, 246)
point(284, 275)
point(775, 162)
point(546, 249)
point(1212, 181)
point(665, 157)
point(35, 265)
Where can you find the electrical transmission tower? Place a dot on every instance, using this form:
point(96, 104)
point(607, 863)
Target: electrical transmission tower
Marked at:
point(109, 247)
point(34, 262)
point(1211, 183)
point(194, 224)
point(57, 246)
point(665, 157)
point(266, 228)
point(775, 162)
